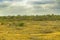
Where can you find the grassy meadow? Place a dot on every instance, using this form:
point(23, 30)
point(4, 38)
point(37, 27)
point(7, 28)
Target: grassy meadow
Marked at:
point(28, 28)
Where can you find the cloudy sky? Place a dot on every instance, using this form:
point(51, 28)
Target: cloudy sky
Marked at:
point(29, 7)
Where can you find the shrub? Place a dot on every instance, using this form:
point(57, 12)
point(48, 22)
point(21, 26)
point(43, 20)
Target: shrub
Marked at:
point(21, 24)
point(2, 23)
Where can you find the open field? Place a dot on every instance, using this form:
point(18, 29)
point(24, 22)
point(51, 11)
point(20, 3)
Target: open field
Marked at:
point(30, 30)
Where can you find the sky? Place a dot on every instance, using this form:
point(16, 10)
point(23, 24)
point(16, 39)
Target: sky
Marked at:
point(29, 7)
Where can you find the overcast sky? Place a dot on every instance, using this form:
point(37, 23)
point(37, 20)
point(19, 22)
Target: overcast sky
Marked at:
point(29, 7)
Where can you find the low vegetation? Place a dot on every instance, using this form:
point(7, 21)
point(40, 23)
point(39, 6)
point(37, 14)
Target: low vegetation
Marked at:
point(45, 27)
point(33, 18)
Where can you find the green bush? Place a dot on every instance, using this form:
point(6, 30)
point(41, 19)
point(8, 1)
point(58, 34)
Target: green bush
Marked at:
point(21, 24)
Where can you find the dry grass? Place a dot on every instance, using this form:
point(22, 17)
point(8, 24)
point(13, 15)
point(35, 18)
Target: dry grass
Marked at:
point(31, 30)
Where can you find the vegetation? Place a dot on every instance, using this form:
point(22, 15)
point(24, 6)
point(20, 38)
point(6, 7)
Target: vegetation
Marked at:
point(45, 27)
point(34, 18)
point(21, 24)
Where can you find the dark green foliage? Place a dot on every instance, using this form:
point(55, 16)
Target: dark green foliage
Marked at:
point(21, 24)
point(34, 18)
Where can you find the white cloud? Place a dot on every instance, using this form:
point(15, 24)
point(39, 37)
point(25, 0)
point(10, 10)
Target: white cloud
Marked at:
point(27, 6)
point(27, 3)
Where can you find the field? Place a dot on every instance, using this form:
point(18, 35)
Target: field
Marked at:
point(30, 30)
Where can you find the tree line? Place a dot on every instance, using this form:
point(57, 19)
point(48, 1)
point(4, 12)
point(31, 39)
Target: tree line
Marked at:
point(33, 18)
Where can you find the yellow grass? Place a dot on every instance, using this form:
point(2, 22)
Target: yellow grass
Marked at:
point(30, 31)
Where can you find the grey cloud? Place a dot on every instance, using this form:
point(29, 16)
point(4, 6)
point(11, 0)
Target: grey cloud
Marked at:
point(57, 6)
point(36, 9)
point(3, 6)
point(12, 0)
point(43, 2)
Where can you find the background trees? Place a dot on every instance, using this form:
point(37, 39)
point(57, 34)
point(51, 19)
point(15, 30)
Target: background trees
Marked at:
point(34, 18)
